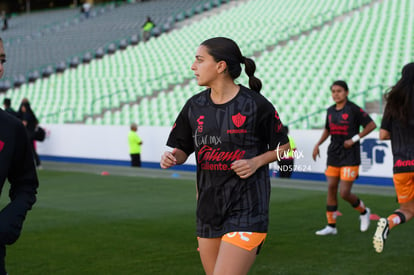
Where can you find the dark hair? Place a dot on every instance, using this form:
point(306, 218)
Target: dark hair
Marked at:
point(7, 102)
point(225, 49)
point(340, 83)
point(400, 97)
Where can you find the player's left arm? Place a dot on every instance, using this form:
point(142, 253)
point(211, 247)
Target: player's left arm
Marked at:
point(367, 129)
point(386, 127)
point(369, 125)
point(244, 168)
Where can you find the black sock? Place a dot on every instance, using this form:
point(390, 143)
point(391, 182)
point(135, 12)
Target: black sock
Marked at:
point(401, 215)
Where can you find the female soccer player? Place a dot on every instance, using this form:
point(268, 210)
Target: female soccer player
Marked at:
point(398, 125)
point(342, 123)
point(235, 132)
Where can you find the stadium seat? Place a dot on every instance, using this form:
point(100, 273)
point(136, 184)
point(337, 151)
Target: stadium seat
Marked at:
point(46, 72)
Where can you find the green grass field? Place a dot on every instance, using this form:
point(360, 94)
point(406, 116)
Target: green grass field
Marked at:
point(85, 223)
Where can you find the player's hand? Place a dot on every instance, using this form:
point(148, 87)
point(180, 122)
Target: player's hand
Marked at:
point(315, 152)
point(244, 168)
point(168, 159)
point(348, 143)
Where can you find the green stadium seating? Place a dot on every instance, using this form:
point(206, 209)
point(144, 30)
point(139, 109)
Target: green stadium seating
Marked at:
point(363, 42)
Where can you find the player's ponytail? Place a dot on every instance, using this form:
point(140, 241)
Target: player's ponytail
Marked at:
point(225, 49)
point(250, 68)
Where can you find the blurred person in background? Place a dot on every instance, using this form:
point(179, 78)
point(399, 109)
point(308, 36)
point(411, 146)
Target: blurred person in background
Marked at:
point(134, 142)
point(17, 166)
point(30, 121)
point(8, 108)
point(146, 29)
point(343, 121)
point(86, 9)
point(5, 19)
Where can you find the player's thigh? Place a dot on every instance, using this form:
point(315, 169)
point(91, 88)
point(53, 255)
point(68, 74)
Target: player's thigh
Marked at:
point(234, 260)
point(209, 249)
point(345, 187)
point(238, 251)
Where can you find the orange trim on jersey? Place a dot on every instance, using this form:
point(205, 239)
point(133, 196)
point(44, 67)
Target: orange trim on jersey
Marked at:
point(346, 173)
point(404, 186)
point(245, 240)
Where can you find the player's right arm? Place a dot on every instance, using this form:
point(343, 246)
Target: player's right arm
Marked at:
point(385, 130)
point(384, 134)
point(169, 159)
point(324, 136)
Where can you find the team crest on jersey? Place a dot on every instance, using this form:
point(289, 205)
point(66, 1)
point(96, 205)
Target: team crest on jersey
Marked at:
point(345, 116)
point(1, 145)
point(238, 120)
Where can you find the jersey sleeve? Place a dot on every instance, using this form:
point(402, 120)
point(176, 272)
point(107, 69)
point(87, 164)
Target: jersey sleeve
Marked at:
point(181, 134)
point(327, 120)
point(272, 128)
point(363, 116)
point(386, 123)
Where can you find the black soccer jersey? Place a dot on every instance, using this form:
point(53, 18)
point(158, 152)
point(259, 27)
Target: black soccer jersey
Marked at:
point(402, 143)
point(16, 165)
point(242, 128)
point(342, 125)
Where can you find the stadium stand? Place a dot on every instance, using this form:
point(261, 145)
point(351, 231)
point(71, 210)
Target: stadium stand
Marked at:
point(299, 46)
point(303, 68)
point(65, 33)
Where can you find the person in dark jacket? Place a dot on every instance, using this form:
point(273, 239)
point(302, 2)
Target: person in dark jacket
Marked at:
point(8, 108)
point(30, 121)
point(17, 166)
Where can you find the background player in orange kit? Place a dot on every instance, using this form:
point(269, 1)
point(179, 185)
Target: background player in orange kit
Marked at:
point(343, 121)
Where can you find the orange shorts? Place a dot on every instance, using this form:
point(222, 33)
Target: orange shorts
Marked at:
point(346, 173)
point(404, 186)
point(245, 240)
